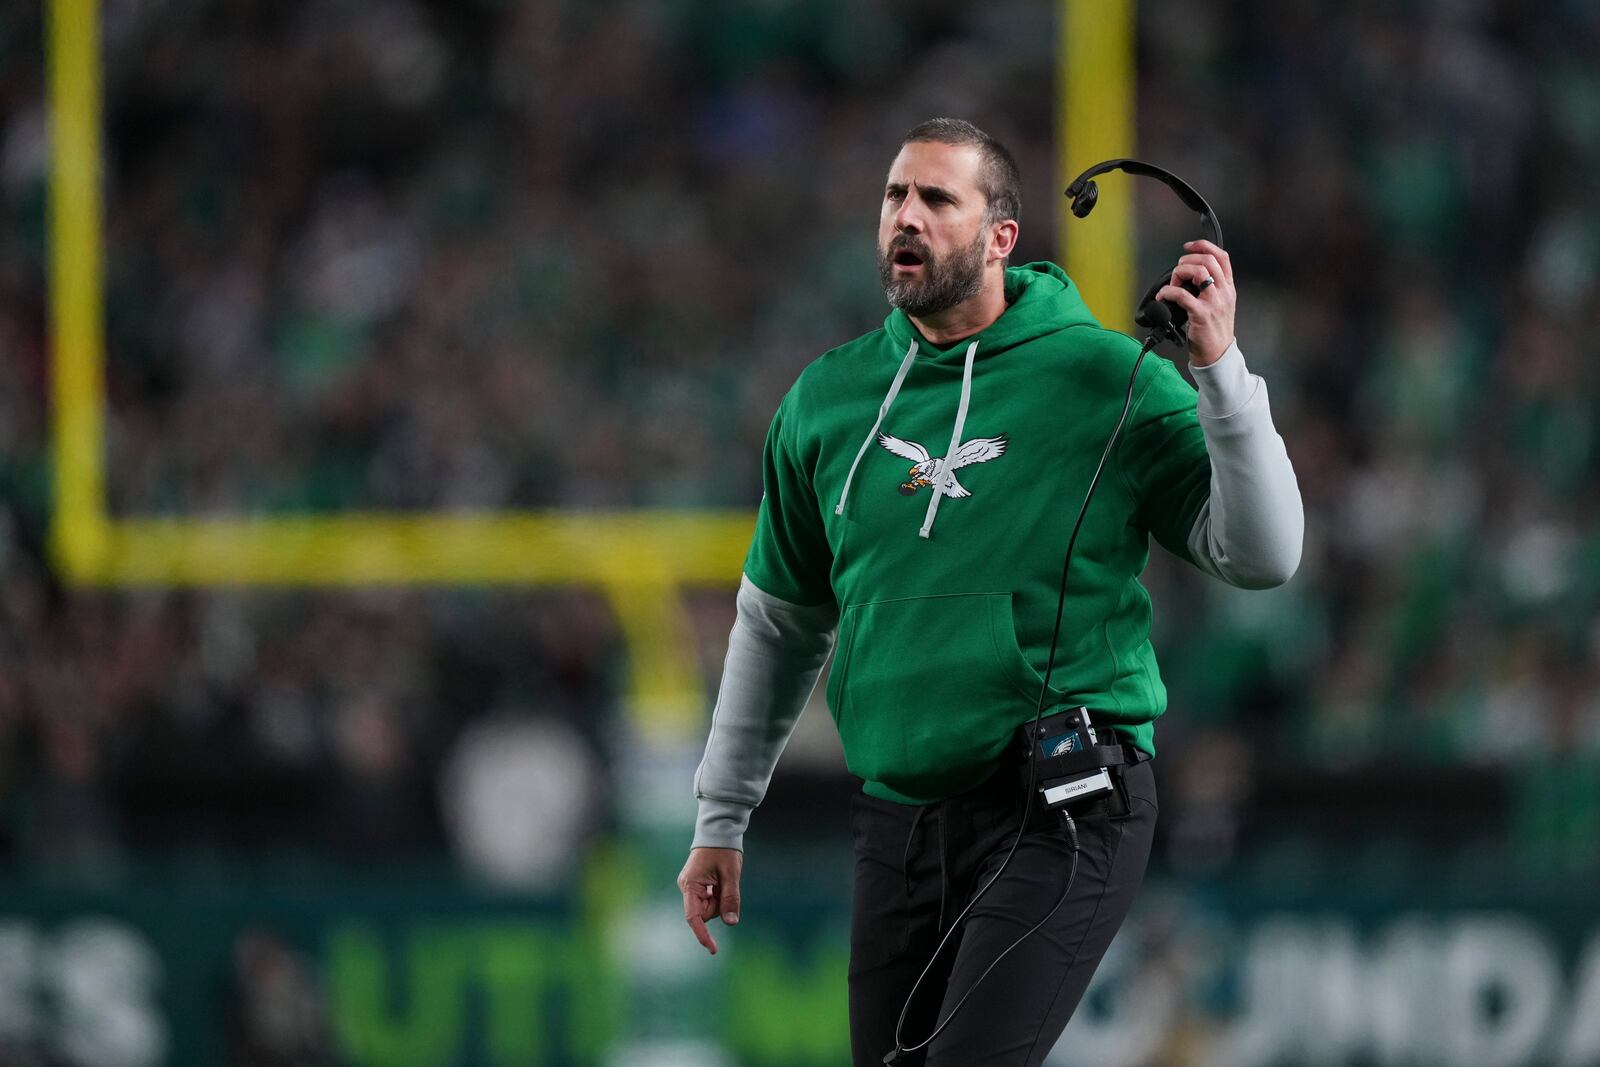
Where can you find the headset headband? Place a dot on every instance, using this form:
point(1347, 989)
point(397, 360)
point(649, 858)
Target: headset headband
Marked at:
point(1191, 199)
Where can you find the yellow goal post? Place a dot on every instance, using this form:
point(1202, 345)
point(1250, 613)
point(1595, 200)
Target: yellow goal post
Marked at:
point(642, 560)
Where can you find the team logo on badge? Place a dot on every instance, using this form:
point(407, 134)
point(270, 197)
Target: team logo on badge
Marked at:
point(941, 473)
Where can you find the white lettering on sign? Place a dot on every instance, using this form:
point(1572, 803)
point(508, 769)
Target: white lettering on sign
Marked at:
point(87, 990)
point(1471, 990)
point(19, 1007)
point(1580, 1045)
point(1125, 1018)
point(1509, 965)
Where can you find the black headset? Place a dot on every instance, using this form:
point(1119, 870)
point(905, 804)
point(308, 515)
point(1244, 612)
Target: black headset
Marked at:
point(1085, 193)
point(1165, 321)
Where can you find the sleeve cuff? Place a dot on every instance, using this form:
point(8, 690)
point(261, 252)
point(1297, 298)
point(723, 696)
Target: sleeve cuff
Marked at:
point(1225, 386)
point(721, 824)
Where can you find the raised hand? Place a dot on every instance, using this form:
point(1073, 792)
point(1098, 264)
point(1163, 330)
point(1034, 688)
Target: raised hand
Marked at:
point(1206, 267)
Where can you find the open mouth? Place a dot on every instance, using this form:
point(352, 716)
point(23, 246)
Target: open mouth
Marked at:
point(907, 259)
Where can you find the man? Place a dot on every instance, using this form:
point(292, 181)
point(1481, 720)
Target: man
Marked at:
point(920, 483)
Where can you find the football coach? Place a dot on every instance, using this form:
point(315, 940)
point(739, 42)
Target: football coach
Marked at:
point(919, 484)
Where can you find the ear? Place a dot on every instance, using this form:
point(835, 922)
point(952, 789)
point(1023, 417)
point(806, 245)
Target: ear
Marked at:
point(1003, 238)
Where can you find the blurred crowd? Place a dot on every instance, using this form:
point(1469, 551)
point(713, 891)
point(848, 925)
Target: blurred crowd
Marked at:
point(387, 254)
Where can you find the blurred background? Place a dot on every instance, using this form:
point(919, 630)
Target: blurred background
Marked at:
point(564, 257)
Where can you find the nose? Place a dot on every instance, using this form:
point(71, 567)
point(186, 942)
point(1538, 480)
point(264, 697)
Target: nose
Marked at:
point(908, 219)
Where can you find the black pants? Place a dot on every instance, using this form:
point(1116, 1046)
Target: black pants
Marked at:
point(916, 867)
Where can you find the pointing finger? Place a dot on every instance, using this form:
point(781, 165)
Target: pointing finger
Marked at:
point(698, 925)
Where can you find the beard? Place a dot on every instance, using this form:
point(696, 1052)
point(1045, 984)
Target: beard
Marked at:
point(944, 283)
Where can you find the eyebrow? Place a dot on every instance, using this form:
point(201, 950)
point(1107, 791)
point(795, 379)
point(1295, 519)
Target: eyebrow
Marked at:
point(928, 191)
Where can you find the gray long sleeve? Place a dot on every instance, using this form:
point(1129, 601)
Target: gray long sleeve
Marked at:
point(1250, 530)
point(775, 653)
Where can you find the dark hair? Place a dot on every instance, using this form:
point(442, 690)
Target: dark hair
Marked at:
point(999, 177)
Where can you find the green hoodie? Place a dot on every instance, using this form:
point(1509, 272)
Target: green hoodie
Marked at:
point(946, 602)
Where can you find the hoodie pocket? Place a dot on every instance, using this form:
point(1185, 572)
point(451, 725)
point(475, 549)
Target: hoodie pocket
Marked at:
point(927, 690)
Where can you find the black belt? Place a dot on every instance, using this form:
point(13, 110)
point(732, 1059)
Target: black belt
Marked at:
point(1115, 758)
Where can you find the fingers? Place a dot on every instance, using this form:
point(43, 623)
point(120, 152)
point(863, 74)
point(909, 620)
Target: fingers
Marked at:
point(699, 898)
point(1174, 294)
point(1211, 307)
point(709, 883)
point(703, 934)
point(699, 904)
point(1193, 273)
point(1196, 269)
point(1220, 255)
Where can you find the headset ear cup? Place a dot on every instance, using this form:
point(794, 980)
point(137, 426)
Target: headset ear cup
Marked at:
point(1143, 317)
point(1085, 201)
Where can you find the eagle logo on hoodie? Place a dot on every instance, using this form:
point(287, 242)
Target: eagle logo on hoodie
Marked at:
point(941, 473)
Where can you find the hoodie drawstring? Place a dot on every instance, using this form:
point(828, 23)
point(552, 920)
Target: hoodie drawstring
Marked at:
point(883, 409)
point(955, 443)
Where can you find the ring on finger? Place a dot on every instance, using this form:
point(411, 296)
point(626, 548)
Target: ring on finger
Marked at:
point(1208, 281)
